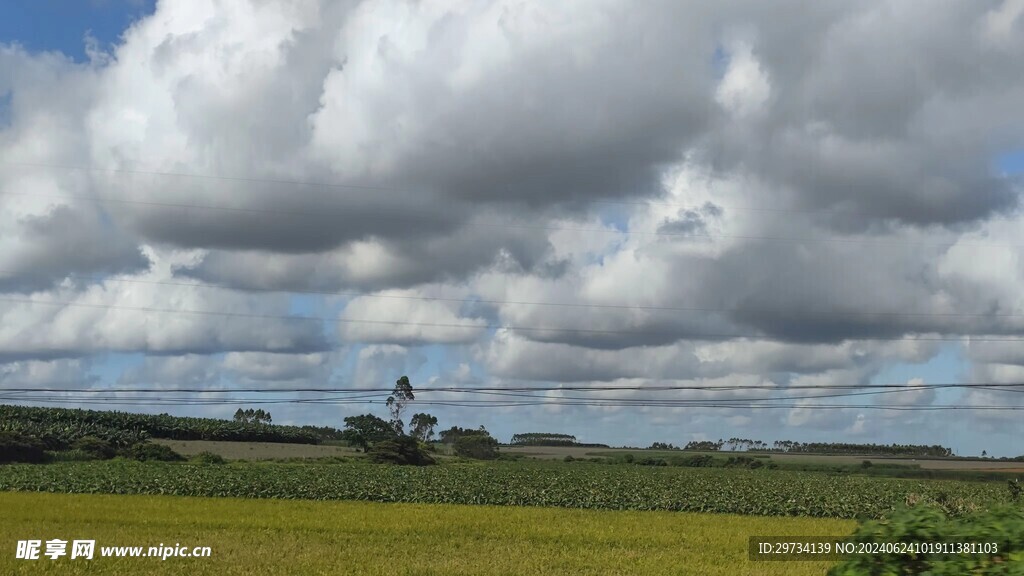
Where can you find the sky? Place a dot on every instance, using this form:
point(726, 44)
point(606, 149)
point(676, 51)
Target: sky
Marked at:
point(624, 203)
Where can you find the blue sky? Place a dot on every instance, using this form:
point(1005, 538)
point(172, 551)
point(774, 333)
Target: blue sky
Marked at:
point(62, 25)
point(1011, 162)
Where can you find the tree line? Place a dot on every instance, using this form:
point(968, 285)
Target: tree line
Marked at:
point(543, 439)
point(791, 446)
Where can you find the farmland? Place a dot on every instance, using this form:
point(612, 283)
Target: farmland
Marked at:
point(257, 450)
point(577, 485)
point(560, 452)
point(302, 537)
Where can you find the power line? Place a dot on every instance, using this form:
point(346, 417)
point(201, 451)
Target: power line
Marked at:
point(571, 388)
point(798, 312)
point(515, 404)
point(602, 400)
point(678, 335)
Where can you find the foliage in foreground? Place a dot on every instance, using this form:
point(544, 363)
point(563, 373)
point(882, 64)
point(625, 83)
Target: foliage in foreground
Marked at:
point(1002, 526)
point(263, 537)
point(753, 492)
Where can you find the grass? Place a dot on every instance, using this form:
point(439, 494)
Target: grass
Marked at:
point(302, 537)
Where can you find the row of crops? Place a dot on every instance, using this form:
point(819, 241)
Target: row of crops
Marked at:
point(60, 427)
point(767, 493)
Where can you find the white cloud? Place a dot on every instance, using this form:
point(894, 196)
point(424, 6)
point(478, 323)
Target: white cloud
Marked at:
point(823, 196)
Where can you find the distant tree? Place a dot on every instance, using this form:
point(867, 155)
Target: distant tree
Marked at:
point(404, 450)
point(365, 430)
point(250, 416)
point(543, 439)
point(984, 454)
point(422, 426)
point(662, 446)
point(452, 434)
point(481, 446)
point(400, 397)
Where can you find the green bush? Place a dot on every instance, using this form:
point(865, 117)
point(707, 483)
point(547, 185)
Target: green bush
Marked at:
point(481, 446)
point(696, 461)
point(568, 458)
point(98, 448)
point(208, 458)
point(150, 451)
point(1002, 526)
point(71, 456)
point(400, 450)
point(742, 462)
point(19, 448)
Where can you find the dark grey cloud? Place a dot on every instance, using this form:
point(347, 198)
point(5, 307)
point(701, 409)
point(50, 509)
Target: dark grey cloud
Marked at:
point(65, 242)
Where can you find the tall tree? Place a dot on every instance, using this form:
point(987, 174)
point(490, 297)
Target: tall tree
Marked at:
point(399, 399)
point(422, 426)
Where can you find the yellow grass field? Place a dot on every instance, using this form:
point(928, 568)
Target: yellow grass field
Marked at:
point(302, 537)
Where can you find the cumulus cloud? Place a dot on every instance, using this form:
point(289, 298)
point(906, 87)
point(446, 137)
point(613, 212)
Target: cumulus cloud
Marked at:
point(150, 315)
point(657, 193)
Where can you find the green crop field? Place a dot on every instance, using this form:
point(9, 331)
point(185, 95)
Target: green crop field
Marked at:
point(329, 538)
point(560, 452)
point(582, 485)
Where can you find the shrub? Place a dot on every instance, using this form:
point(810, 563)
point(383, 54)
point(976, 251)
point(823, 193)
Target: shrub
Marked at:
point(1002, 526)
point(477, 446)
point(19, 448)
point(71, 456)
point(696, 461)
point(652, 462)
point(97, 448)
point(151, 451)
point(208, 458)
point(568, 458)
point(403, 450)
point(628, 458)
point(866, 464)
